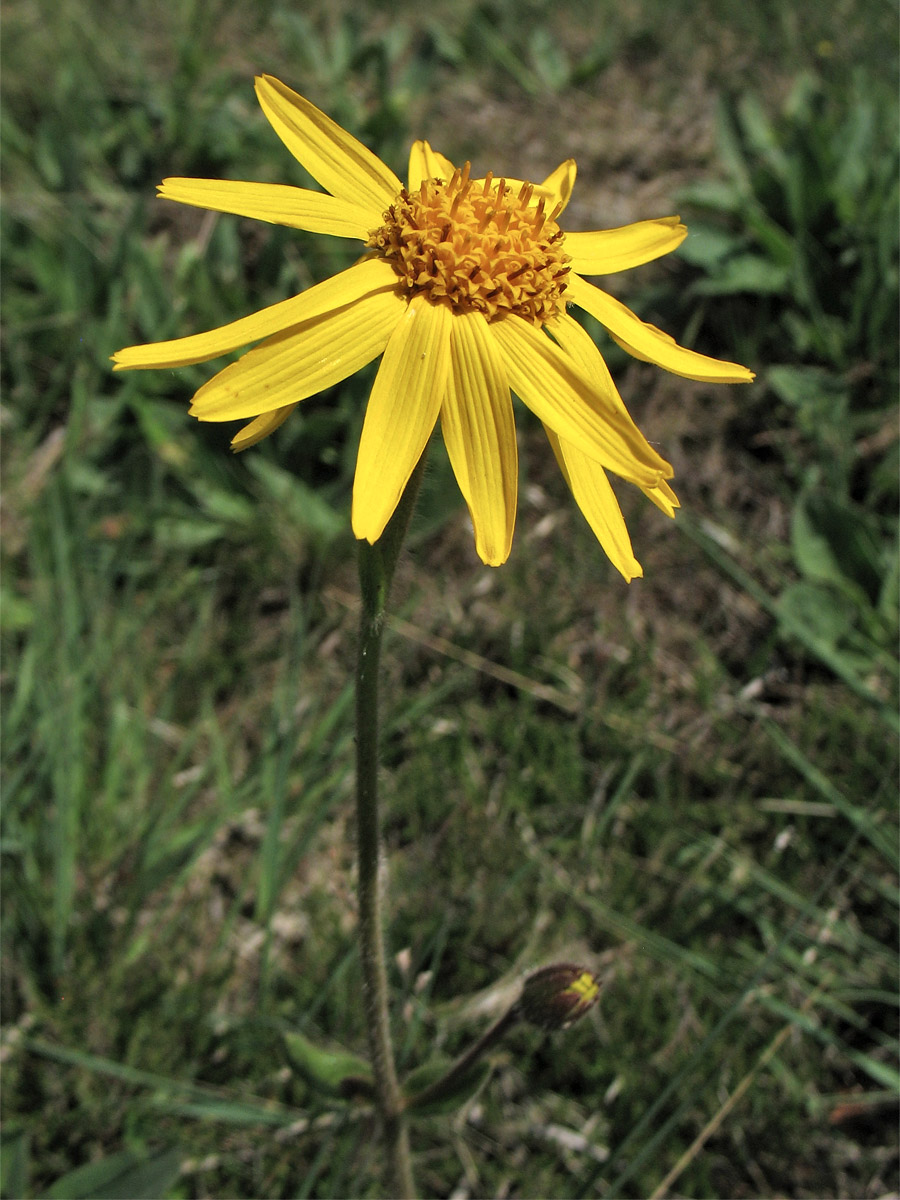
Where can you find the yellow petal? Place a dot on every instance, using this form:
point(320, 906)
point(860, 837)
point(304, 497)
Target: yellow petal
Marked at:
point(579, 344)
point(340, 163)
point(261, 427)
point(302, 360)
point(559, 184)
point(480, 435)
point(348, 286)
point(608, 250)
point(663, 497)
point(425, 163)
point(594, 496)
point(401, 414)
point(648, 343)
point(298, 208)
point(549, 382)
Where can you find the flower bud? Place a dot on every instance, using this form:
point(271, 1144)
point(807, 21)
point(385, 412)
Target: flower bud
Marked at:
point(555, 997)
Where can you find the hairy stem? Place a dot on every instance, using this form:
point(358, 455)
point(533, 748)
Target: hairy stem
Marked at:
point(376, 570)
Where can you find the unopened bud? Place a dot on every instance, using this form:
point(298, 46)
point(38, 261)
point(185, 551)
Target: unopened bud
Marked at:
point(555, 997)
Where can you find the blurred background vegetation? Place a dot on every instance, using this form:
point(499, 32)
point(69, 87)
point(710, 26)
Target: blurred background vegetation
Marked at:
point(689, 782)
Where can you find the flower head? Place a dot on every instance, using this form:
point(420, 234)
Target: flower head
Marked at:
point(555, 997)
point(461, 282)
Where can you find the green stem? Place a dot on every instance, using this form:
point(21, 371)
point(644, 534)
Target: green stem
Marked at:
point(376, 570)
point(445, 1085)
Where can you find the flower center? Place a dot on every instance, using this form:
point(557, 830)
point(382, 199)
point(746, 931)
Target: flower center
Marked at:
point(477, 246)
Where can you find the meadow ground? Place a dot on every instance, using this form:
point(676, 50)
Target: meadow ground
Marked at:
point(689, 782)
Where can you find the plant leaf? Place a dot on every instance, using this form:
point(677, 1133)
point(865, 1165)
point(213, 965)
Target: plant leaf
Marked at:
point(335, 1072)
point(745, 273)
point(833, 544)
point(121, 1176)
point(15, 1158)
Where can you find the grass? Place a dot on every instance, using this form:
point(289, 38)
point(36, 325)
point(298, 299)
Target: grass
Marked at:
point(690, 783)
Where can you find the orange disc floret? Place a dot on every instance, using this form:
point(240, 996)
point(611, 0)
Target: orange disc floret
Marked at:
point(477, 246)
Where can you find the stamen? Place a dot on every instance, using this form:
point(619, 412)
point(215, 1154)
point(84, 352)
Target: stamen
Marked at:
point(482, 249)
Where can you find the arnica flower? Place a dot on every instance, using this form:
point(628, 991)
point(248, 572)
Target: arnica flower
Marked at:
point(462, 288)
point(555, 997)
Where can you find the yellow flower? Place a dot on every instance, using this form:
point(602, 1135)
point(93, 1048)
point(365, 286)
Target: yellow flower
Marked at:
point(556, 996)
point(461, 282)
